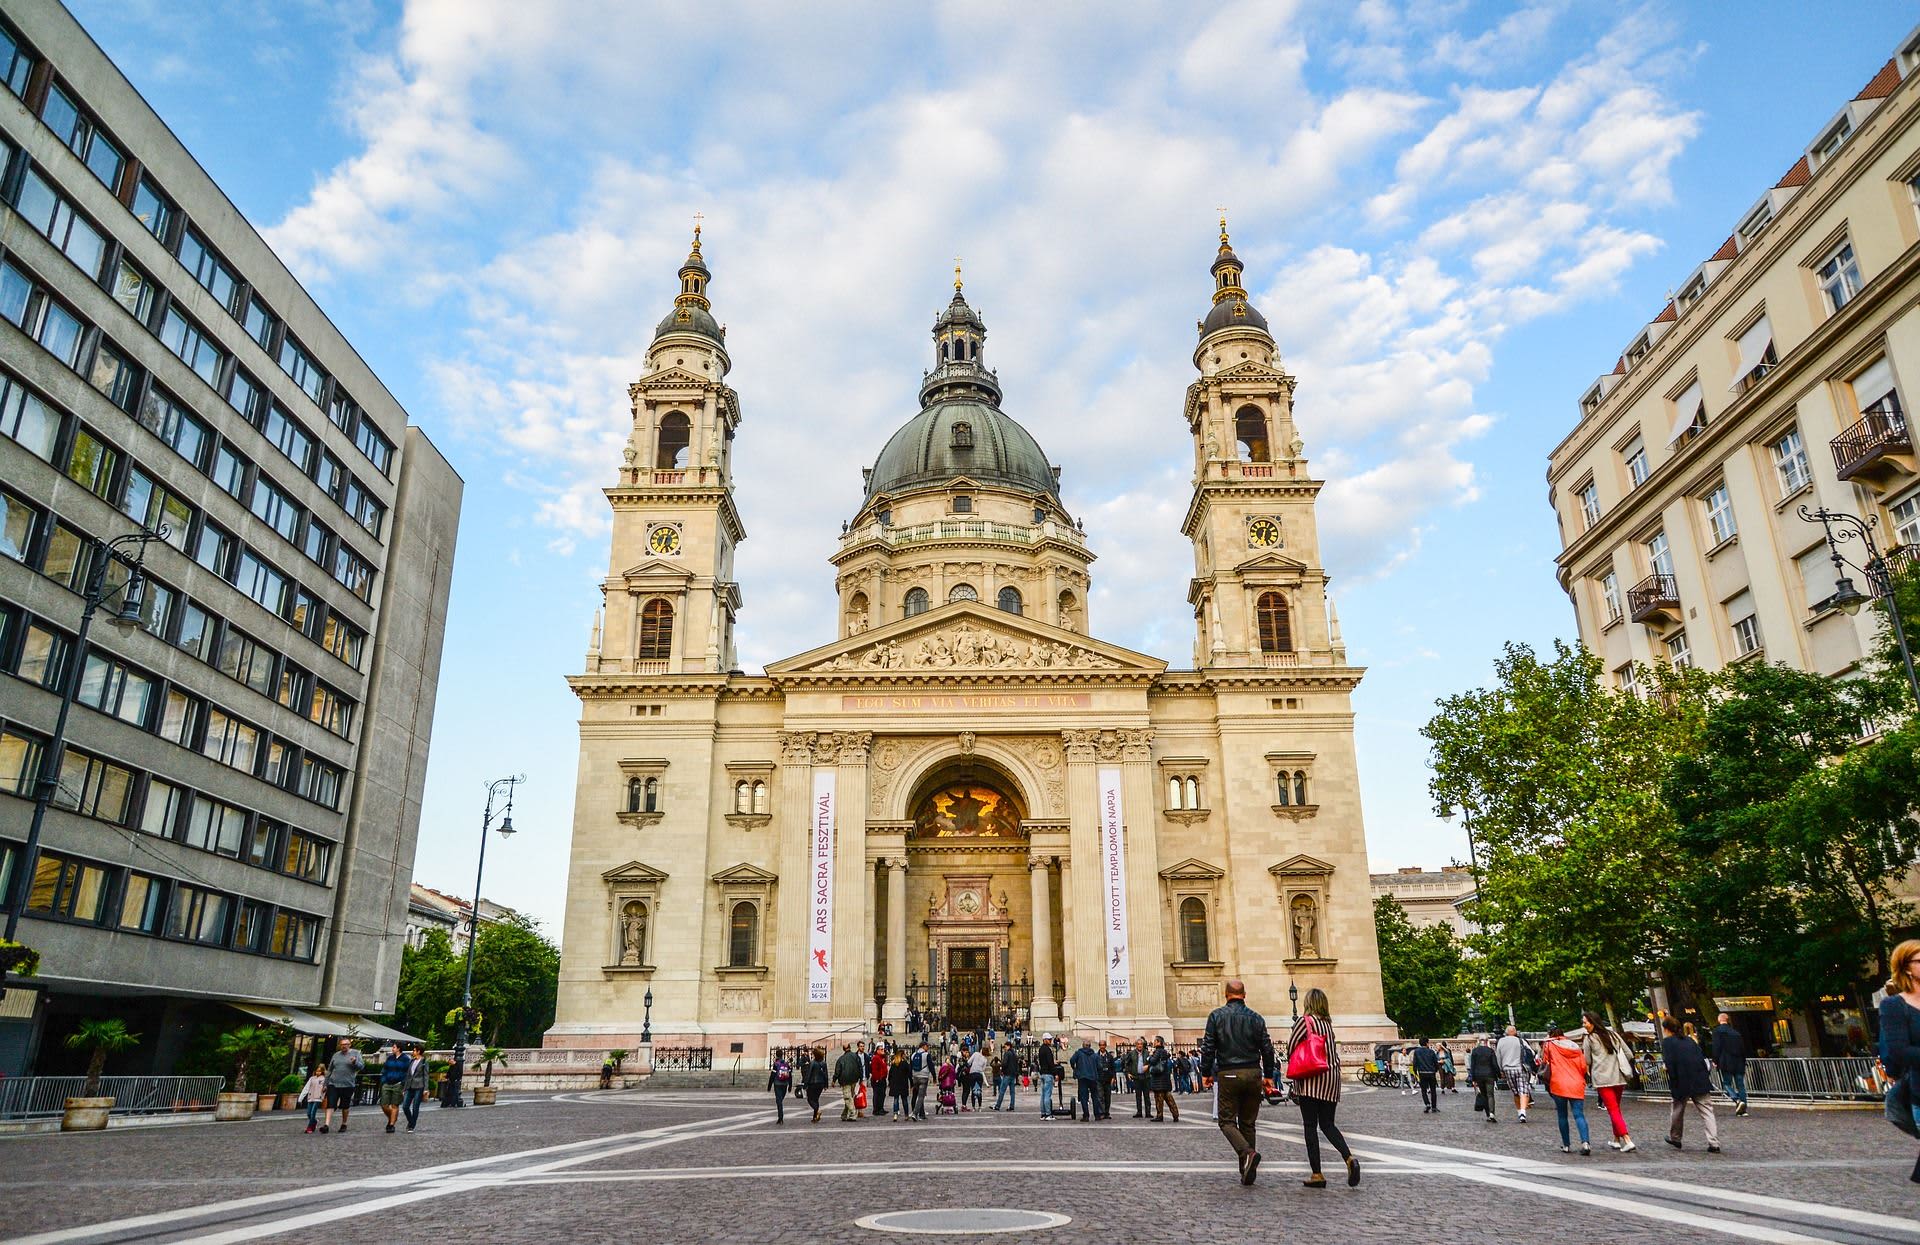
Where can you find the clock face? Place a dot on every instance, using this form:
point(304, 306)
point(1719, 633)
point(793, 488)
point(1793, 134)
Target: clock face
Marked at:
point(1263, 533)
point(664, 540)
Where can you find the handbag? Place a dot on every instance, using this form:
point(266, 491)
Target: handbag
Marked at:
point(1308, 1056)
point(860, 1096)
point(1900, 1108)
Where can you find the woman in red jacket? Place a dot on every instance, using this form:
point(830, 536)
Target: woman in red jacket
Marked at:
point(1567, 1084)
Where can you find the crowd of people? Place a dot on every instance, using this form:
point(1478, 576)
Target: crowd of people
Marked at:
point(331, 1086)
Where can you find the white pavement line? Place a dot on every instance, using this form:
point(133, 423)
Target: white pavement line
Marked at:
point(183, 1213)
point(1665, 1212)
point(761, 1172)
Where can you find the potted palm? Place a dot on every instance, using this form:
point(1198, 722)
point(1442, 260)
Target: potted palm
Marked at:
point(102, 1037)
point(290, 1091)
point(484, 1093)
point(242, 1047)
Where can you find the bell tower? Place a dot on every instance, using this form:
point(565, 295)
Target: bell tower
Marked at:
point(670, 596)
point(1259, 594)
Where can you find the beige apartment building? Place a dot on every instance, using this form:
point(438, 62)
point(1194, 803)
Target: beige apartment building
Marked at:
point(1777, 379)
point(962, 804)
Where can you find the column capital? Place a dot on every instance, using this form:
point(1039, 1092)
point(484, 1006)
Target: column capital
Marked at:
point(1136, 743)
point(1132, 743)
point(797, 747)
point(849, 747)
point(1080, 745)
point(1038, 863)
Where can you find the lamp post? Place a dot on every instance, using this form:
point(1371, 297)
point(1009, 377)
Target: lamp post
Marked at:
point(1879, 576)
point(126, 619)
point(450, 1095)
point(1293, 1000)
point(646, 1018)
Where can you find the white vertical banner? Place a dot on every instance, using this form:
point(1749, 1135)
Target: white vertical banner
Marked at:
point(1113, 874)
point(820, 936)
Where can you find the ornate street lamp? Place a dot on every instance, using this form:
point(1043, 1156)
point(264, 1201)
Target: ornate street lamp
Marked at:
point(646, 1019)
point(450, 1094)
point(1293, 1000)
point(126, 619)
point(1847, 598)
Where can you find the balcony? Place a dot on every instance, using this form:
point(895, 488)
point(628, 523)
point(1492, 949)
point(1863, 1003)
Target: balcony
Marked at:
point(1878, 449)
point(1654, 599)
point(1901, 561)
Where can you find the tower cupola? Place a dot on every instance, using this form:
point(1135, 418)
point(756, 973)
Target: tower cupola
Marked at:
point(959, 336)
point(1230, 306)
point(692, 313)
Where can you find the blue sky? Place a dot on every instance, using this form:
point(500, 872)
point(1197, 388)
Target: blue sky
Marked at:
point(1455, 216)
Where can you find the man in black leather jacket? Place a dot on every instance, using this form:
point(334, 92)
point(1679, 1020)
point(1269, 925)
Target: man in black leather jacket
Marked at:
point(1483, 1070)
point(1237, 1052)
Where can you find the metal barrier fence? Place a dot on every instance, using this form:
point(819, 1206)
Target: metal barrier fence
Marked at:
point(27, 1097)
point(683, 1059)
point(1847, 1078)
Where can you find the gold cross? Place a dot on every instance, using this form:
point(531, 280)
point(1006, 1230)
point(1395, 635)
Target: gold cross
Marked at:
point(697, 218)
point(956, 274)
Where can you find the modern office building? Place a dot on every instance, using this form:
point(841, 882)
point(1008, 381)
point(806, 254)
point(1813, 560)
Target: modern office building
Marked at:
point(237, 805)
point(1776, 379)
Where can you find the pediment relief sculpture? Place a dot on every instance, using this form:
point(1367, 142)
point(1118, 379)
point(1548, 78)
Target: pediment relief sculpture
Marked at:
point(965, 646)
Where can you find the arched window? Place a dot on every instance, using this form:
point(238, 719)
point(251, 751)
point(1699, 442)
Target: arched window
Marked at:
point(1193, 791)
point(759, 797)
point(743, 796)
point(650, 796)
point(1276, 629)
point(743, 927)
point(1173, 792)
point(1286, 787)
point(656, 630)
point(1193, 930)
point(676, 436)
point(962, 592)
point(1300, 787)
point(1250, 432)
point(1010, 601)
point(633, 795)
point(916, 602)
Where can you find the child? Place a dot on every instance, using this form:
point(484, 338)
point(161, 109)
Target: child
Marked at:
point(314, 1094)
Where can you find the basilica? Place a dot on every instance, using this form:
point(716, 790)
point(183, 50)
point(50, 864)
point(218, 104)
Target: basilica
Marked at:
point(964, 805)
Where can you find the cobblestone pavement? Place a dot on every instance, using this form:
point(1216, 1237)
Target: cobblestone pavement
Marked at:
point(695, 1166)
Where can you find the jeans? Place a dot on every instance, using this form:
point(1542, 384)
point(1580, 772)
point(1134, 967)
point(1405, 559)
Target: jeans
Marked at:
point(1734, 1086)
point(1089, 1097)
point(1046, 1096)
point(410, 1106)
point(313, 1111)
point(919, 1100)
point(1317, 1115)
point(1005, 1090)
point(780, 1089)
point(1579, 1108)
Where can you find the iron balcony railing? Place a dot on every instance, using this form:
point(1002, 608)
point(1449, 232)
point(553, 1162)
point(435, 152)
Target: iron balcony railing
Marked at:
point(1882, 430)
point(683, 1059)
point(1653, 595)
point(29, 1097)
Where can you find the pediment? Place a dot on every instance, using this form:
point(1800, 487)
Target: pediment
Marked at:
point(1250, 369)
point(744, 874)
point(657, 569)
point(1192, 869)
point(1301, 866)
point(672, 378)
point(633, 871)
point(965, 635)
point(1272, 563)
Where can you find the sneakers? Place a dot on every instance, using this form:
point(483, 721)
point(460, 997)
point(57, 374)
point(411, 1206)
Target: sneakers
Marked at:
point(1627, 1146)
point(1490, 1118)
point(1566, 1149)
point(1713, 1147)
point(1740, 1109)
point(1253, 1165)
point(309, 1128)
point(1523, 1117)
point(1586, 1150)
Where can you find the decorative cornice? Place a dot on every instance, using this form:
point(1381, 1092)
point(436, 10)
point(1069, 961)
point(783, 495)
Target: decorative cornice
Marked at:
point(640, 821)
point(1295, 812)
point(1186, 816)
point(749, 821)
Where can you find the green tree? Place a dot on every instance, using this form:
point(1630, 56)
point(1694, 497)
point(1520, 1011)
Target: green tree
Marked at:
point(430, 980)
point(516, 980)
point(248, 1047)
point(1423, 972)
point(1560, 776)
point(102, 1038)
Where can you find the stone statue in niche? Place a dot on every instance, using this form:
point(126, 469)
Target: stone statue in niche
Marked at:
point(633, 933)
point(1306, 936)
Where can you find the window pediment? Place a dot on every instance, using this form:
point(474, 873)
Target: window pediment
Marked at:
point(744, 874)
point(656, 574)
point(1193, 869)
point(634, 872)
point(1272, 568)
point(1301, 866)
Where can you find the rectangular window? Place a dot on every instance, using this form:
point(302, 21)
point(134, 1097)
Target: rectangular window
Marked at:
point(331, 710)
point(116, 688)
point(133, 289)
point(151, 506)
point(94, 788)
point(247, 660)
point(19, 762)
point(187, 340)
point(216, 827)
point(298, 365)
point(260, 581)
point(307, 857)
point(1742, 623)
point(152, 208)
point(1790, 463)
point(79, 133)
point(230, 472)
point(156, 608)
point(1679, 652)
point(143, 903)
point(18, 522)
point(43, 656)
point(1634, 455)
point(180, 428)
point(39, 316)
point(317, 542)
point(27, 420)
point(207, 268)
point(180, 717)
point(343, 639)
point(259, 323)
point(69, 888)
point(196, 632)
point(329, 475)
point(90, 463)
point(1589, 505)
point(1627, 679)
point(279, 768)
point(320, 782)
point(1720, 515)
point(294, 936)
point(1906, 520)
point(290, 436)
point(214, 549)
point(1817, 575)
point(275, 508)
point(369, 513)
point(1659, 555)
point(1756, 355)
point(353, 571)
point(1610, 596)
point(1839, 276)
point(115, 377)
point(295, 687)
point(306, 612)
point(65, 561)
point(245, 395)
point(46, 210)
point(262, 843)
point(251, 921)
point(377, 448)
point(231, 741)
point(15, 68)
point(160, 811)
point(197, 915)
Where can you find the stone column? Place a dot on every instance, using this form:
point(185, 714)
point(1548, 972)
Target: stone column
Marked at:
point(1143, 878)
point(896, 1008)
point(1069, 1004)
point(793, 831)
point(1043, 1013)
point(1083, 818)
point(870, 942)
point(853, 911)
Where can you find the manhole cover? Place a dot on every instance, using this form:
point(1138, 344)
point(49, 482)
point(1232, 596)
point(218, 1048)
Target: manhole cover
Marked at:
point(962, 1221)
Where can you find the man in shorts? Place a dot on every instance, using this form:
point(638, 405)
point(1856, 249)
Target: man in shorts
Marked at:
point(343, 1073)
point(1516, 1058)
point(393, 1084)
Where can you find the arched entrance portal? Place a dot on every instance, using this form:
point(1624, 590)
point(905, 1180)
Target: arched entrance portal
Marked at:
point(967, 850)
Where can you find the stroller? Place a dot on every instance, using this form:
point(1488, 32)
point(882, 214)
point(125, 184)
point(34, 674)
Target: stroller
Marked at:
point(947, 1104)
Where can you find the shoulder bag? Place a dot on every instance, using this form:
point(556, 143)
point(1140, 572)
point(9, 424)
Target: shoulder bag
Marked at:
point(1308, 1056)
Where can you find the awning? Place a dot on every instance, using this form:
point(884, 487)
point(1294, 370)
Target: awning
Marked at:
point(324, 1024)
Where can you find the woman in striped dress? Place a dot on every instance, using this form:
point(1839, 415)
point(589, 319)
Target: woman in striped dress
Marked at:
point(1319, 1094)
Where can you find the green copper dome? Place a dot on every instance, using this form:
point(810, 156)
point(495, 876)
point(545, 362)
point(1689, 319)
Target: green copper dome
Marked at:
point(931, 448)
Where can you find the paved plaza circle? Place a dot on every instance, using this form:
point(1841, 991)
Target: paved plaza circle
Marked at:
point(962, 1221)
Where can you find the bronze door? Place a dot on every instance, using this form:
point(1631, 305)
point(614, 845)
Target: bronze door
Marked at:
point(968, 991)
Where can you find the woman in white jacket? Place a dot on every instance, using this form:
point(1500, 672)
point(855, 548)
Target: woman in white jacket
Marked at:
point(1610, 1065)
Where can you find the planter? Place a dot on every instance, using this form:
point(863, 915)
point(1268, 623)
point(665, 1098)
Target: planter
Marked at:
point(234, 1106)
point(85, 1114)
point(290, 1102)
point(265, 1101)
point(483, 1095)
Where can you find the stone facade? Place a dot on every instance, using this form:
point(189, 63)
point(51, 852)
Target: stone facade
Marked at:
point(978, 737)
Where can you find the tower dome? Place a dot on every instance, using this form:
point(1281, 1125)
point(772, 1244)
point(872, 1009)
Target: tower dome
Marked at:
point(1230, 310)
point(692, 313)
